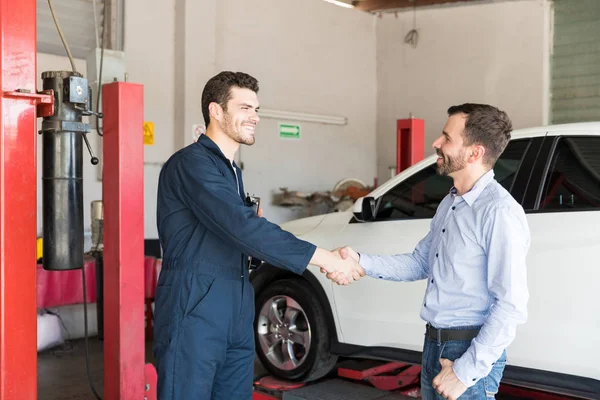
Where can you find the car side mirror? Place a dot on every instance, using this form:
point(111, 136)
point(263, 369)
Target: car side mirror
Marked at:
point(365, 209)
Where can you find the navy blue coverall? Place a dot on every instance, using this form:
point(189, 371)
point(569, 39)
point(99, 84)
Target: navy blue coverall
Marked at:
point(204, 303)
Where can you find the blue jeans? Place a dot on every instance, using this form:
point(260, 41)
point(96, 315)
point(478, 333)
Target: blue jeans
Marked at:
point(485, 389)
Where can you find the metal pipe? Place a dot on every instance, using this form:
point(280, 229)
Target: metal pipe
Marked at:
point(97, 213)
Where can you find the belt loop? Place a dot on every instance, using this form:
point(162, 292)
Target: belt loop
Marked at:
point(439, 337)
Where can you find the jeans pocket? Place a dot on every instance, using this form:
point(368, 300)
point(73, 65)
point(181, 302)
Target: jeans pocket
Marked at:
point(492, 381)
point(454, 349)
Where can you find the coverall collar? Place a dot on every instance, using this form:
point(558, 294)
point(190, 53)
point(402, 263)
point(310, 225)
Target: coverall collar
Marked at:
point(208, 143)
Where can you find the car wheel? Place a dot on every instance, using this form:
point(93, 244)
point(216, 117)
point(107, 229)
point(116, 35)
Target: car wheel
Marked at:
point(291, 331)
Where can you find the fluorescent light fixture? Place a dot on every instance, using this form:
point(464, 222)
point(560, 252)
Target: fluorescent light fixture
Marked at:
point(339, 3)
point(296, 116)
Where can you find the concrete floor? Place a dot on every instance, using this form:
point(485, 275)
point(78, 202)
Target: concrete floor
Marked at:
point(62, 372)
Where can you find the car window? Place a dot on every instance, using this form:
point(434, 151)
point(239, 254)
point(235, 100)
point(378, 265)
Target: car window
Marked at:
point(419, 195)
point(508, 163)
point(573, 180)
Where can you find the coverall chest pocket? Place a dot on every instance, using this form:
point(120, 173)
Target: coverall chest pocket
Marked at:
point(195, 293)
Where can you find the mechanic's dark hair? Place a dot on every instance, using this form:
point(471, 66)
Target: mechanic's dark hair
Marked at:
point(218, 89)
point(486, 126)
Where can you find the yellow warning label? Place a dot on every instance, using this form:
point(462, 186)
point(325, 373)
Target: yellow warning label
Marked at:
point(149, 133)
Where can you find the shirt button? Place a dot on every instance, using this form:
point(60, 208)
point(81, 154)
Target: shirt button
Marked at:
point(454, 207)
point(380, 277)
point(425, 305)
point(443, 230)
point(432, 281)
point(474, 379)
point(436, 254)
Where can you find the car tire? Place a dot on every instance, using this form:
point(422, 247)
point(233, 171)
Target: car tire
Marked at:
point(291, 331)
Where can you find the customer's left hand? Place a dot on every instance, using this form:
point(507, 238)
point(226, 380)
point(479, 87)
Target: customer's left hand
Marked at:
point(446, 384)
point(260, 213)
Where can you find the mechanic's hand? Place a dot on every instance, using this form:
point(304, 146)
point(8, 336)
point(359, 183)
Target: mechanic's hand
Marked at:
point(446, 384)
point(356, 271)
point(260, 213)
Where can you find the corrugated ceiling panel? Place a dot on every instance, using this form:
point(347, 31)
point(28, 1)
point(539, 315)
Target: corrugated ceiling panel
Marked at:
point(76, 18)
point(575, 63)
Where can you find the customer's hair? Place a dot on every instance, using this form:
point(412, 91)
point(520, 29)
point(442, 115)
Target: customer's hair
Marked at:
point(218, 89)
point(486, 126)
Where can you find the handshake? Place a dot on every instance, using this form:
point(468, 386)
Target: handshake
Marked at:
point(341, 265)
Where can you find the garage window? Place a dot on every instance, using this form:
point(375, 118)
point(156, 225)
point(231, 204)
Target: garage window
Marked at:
point(575, 61)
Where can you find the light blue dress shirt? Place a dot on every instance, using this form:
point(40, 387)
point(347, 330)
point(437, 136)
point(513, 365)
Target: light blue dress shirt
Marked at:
point(474, 261)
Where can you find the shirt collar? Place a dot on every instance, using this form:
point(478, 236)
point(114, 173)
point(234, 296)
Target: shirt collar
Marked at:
point(474, 193)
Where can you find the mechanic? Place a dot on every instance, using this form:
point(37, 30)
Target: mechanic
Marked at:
point(204, 303)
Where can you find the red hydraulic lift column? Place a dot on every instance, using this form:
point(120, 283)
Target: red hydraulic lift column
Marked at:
point(18, 125)
point(410, 142)
point(123, 201)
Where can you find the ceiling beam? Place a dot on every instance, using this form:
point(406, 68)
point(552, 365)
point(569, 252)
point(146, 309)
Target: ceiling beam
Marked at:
point(382, 5)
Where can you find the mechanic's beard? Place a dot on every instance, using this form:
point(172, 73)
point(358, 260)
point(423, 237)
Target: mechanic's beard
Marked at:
point(227, 127)
point(451, 164)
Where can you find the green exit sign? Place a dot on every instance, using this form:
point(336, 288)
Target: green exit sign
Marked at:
point(289, 131)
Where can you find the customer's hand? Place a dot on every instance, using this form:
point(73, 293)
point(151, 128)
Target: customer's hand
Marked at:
point(355, 270)
point(446, 383)
point(343, 271)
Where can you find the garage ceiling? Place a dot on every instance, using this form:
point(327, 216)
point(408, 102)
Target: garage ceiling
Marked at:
point(390, 5)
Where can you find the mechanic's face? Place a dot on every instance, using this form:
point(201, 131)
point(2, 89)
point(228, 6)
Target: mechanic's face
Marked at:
point(450, 146)
point(240, 119)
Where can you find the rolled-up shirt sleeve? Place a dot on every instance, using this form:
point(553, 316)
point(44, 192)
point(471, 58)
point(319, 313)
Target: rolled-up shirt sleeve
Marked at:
point(508, 241)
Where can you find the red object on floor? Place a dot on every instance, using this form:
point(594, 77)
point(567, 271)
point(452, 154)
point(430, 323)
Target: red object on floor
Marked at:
point(273, 383)
point(406, 380)
point(358, 374)
point(60, 288)
point(150, 382)
point(271, 388)
point(391, 376)
point(263, 396)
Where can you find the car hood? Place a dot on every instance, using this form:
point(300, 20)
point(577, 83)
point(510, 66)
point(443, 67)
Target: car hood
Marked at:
point(332, 222)
point(302, 226)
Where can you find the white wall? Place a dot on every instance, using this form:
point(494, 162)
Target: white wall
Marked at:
point(309, 57)
point(313, 57)
point(149, 40)
point(494, 53)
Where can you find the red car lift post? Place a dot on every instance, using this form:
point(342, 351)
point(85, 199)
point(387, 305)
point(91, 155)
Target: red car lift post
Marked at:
point(410, 142)
point(123, 200)
point(18, 212)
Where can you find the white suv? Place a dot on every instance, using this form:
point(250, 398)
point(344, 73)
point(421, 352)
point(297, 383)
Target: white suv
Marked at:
point(303, 323)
